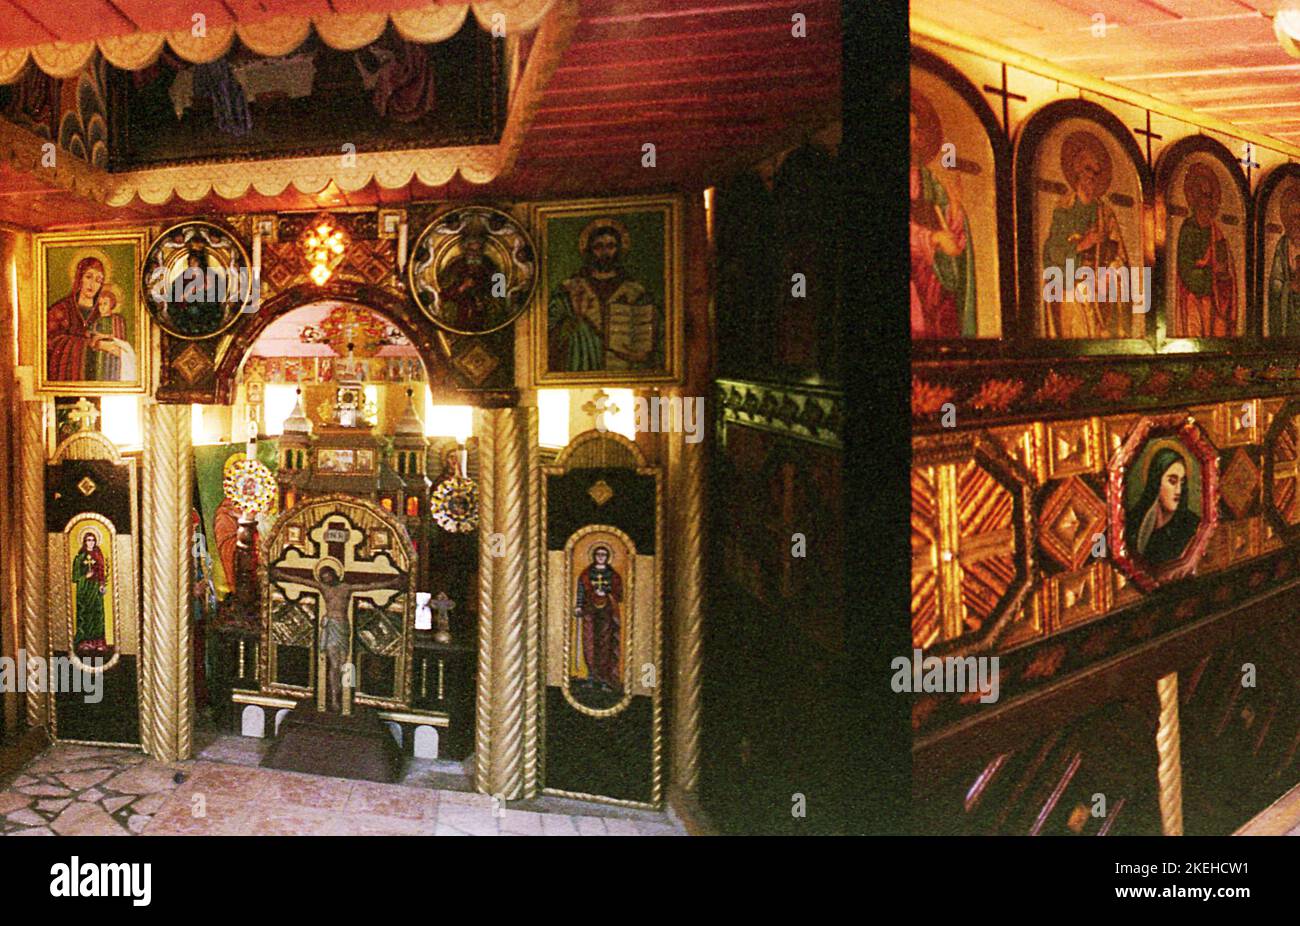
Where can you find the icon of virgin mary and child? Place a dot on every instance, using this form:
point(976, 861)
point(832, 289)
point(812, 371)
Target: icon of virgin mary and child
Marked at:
point(1160, 526)
point(86, 333)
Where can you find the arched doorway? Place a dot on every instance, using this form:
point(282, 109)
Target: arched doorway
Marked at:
point(298, 361)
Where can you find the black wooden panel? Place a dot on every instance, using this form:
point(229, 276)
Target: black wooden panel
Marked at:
point(111, 496)
point(631, 508)
point(114, 719)
point(608, 756)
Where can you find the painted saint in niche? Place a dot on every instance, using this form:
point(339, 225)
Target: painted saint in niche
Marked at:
point(599, 602)
point(1161, 523)
point(1206, 297)
point(1085, 233)
point(90, 581)
point(1284, 272)
point(601, 318)
point(943, 260)
point(77, 345)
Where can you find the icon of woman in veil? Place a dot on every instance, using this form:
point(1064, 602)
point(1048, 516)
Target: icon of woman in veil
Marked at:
point(1159, 527)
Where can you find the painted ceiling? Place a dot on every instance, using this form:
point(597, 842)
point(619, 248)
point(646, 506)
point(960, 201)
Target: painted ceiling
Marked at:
point(712, 86)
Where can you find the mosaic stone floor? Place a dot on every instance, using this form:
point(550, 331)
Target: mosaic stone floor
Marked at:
point(95, 791)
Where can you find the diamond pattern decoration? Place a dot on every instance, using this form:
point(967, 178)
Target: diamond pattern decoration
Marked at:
point(192, 363)
point(600, 492)
point(87, 486)
point(1072, 515)
point(1239, 484)
point(477, 364)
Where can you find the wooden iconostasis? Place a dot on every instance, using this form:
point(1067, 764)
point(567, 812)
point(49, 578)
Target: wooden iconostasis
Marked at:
point(1103, 311)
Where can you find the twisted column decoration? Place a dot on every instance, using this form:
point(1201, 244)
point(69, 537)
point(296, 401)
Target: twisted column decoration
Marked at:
point(35, 616)
point(485, 427)
point(167, 720)
point(1170, 769)
point(508, 616)
point(533, 615)
point(688, 610)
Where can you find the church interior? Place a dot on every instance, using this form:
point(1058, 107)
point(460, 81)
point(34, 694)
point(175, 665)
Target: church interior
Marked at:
point(426, 418)
point(1104, 221)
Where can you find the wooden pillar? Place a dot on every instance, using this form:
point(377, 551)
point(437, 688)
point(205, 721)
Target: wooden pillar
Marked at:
point(167, 710)
point(505, 638)
point(1168, 749)
point(33, 544)
point(686, 513)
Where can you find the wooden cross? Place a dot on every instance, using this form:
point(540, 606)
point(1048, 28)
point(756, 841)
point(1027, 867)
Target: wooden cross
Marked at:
point(1248, 160)
point(1149, 134)
point(84, 414)
point(1007, 97)
point(598, 407)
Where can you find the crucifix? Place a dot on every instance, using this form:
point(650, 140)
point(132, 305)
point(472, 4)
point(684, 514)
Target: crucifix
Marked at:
point(1149, 135)
point(1007, 97)
point(336, 587)
point(444, 606)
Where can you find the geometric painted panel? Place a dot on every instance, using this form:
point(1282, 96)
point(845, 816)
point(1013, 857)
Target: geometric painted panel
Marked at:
point(927, 620)
point(1072, 515)
point(1239, 484)
point(986, 545)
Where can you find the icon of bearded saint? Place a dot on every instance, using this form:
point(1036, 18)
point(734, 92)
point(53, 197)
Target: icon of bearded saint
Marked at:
point(1085, 233)
point(1206, 291)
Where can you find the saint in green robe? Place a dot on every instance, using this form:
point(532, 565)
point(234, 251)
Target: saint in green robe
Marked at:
point(1283, 293)
point(90, 577)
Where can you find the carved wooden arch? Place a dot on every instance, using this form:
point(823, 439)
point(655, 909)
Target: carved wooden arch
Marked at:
point(431, 344)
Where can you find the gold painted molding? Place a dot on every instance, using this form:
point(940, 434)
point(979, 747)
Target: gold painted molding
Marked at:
point(31, 453)
point(279, 35)
point(1170, 770)
point(167, 708)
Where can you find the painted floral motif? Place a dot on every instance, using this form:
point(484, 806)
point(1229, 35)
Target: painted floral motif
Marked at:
point(1202, 378)
point(1114, 385)
point(997, 394)
point(1158, 383)
point(1057, 388)
point(928, 398)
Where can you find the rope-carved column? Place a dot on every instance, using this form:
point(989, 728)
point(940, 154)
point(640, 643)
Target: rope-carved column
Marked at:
point(485, 427)
point(533, 616)
point(687, 459)
point(32, 493)
point(167, 721)
point(1168, 750)
point(508, 616)
point(503, 713)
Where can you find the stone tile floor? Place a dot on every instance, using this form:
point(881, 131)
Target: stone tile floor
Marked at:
point(74, 790)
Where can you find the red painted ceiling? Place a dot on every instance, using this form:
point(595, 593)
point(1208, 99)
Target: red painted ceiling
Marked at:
point(713, 85)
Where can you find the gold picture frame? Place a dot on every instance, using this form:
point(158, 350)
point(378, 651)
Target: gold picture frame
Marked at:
point(62, 260)
point(647, 347)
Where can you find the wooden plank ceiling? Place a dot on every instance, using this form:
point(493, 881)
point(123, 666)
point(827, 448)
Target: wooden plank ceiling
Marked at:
point(713, 84)
point(1219, 57)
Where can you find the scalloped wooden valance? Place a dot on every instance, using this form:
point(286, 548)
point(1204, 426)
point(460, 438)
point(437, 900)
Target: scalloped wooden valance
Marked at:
point(276, 36)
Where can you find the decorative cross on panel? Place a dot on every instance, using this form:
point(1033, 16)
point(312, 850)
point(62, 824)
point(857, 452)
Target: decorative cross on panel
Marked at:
point(1248, 160)
point(1149, 135)
point(1007, 97)
point(598, 407)
point(84, 414)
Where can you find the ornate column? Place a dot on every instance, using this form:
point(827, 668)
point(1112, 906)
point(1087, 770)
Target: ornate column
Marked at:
point(1168, 750)
point(533, 615)
point(506, 736)
point(167, 710)
point(31, 452)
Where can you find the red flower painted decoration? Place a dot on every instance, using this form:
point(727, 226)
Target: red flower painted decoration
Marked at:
point(997, 394)
point(1202, 378)
point(928, 398)
point(1158, 383)
point(1113, 385)
point(1241, 375)
point(1057, 389)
